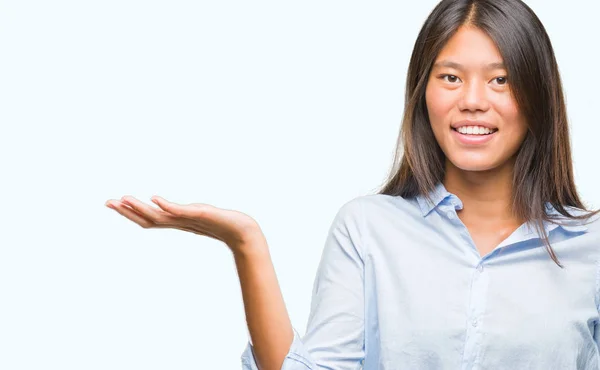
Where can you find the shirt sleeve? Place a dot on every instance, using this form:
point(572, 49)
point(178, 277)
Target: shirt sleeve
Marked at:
point(334, 336)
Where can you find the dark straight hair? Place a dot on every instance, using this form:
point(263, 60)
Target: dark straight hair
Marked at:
point(543, 169)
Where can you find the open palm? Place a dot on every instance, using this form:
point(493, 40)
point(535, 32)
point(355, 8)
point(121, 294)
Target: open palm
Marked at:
point(232, 227)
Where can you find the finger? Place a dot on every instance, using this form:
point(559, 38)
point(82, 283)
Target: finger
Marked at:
point(130, 214)
point(166, 205)
point(191, 211)
point(151, 213)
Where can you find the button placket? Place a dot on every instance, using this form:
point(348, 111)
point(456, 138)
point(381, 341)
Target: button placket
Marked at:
point(477, 303)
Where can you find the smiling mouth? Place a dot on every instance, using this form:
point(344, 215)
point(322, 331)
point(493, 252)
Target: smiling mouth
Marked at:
point(477, 134)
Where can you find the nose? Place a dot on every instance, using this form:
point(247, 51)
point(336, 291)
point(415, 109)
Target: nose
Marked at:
point(474, 97)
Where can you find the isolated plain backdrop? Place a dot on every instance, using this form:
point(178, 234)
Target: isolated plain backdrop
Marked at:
point(282, 110)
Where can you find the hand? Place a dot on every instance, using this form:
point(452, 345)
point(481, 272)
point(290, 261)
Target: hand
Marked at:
point(233, 228)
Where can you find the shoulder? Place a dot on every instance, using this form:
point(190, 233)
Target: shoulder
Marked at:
point(371, 207)
point(377, 214)
point(377, 205)
point(590, 225)
point(593, 224)
point(365, 219)
point(374, 210)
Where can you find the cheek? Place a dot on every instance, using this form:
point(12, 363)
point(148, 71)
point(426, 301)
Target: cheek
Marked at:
point(438, 106)
point(511, 116)
point(507, 108)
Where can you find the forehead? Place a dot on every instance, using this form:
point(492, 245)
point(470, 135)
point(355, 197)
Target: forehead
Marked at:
point(469, 47)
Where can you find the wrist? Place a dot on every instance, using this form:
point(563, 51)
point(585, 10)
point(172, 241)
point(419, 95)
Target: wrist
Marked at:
point(252, 244)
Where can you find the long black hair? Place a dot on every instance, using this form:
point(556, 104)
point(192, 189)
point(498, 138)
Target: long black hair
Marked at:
point(543, 169)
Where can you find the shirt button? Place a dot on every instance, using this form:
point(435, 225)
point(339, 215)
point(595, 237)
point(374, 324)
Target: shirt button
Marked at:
point(474, 322)
point(451, 215)
point(480, 268)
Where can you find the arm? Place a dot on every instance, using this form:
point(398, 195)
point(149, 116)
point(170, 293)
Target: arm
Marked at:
point(335, 333)
point(266, 315)
point(267, 318)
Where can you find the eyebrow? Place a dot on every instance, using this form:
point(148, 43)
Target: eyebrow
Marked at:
point(460, 67)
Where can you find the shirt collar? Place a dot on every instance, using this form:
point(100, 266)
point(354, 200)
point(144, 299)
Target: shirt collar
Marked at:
point(440, 194)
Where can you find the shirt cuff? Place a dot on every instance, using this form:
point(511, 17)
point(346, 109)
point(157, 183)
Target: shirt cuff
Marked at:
point(297, 358)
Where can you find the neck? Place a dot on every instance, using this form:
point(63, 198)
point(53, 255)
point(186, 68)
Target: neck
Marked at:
point(486, 195)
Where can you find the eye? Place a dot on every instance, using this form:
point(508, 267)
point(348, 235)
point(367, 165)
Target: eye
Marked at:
point(502, 80)
point(452, 78)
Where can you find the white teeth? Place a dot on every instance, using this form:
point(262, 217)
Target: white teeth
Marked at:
point(474, 130)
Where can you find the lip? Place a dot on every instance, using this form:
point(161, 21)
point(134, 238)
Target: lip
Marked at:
point(473, 123)
point(473, 139)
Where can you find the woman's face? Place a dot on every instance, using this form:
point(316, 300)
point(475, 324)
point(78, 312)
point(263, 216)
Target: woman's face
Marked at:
point(468, 87)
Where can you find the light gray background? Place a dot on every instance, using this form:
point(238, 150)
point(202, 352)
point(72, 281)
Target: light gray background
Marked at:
point(283, 110)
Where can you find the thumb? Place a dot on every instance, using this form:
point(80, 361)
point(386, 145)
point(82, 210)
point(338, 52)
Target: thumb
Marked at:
point(172, 208)
point(161, 202)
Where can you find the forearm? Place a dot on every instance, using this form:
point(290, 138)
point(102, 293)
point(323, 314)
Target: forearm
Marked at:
point(266, 315)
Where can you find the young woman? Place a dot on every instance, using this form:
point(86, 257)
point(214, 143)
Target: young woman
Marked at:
point(477, 252)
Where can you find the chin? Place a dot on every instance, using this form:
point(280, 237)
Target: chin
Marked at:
point(473, 164)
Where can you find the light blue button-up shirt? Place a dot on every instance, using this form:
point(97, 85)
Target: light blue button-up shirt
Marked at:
point(401, 285)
